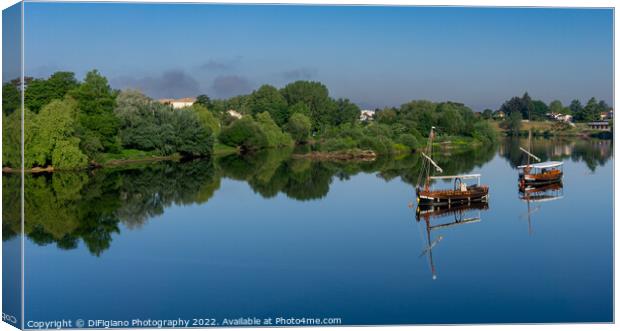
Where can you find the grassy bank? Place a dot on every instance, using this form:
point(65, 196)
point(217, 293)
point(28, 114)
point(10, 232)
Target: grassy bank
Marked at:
point(552, 129)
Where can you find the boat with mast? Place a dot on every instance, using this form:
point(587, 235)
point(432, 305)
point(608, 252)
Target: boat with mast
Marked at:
point(538, 174)
point(461, 193)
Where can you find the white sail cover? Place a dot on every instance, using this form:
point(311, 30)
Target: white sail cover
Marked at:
point(543, 165)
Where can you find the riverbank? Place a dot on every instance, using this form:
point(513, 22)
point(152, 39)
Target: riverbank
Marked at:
point(348, 155)
point(554, 129)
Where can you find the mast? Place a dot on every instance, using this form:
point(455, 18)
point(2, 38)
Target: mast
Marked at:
point(427, 162)
point(529, 134)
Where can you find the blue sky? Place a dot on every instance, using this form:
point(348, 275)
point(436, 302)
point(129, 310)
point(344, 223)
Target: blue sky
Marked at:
point(376, 56)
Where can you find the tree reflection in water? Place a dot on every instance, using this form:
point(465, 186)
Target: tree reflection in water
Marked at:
point(66, 207)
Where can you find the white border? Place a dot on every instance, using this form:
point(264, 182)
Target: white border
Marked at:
point(482, 3)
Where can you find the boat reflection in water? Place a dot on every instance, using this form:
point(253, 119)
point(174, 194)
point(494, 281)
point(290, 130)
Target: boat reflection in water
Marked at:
point(444, 217)
point(533, 195)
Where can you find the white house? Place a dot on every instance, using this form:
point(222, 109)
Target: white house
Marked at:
point(234, 113)
point(367, 115)
point(178, 103)
point(560, 117)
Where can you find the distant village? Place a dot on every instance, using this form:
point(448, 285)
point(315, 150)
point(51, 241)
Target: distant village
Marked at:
point(602, 124)
point(368, 114)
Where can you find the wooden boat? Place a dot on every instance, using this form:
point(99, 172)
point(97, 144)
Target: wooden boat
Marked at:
point(460, 194)
point(540, 174)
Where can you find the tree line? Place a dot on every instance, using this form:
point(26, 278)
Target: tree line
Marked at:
point(73, 124)
point(525, 107)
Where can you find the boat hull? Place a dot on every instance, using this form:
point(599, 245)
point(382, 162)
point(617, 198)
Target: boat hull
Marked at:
point(452, 197)
point(528, 180)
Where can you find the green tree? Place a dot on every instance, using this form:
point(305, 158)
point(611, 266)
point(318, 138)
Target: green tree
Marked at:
point(268, 99)
point(387, 116)
point(345, 112)
point(11, 139)
point(190, 136)
point(487, 114)
point(53, 134)
point(41, 91)
point(299, 126)
point(244, 133)
point(11, 98)
point(591, 112)
point(450, 121)
point(300, 108)
point(522, 104)
point(556, 107)
point(539, 110)
point(315, 96)
point(207, 118)
point(204, 101)
point(273, 133)
point(576, 109)
point(514, 122)
point(409, 140)
point(99, 125)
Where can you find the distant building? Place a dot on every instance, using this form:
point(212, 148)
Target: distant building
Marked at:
point(601, 126)
point(234, 113)
point(499, 115)
point(608, 115)
point(178, 103)
point(560, 117)
point(367, 115)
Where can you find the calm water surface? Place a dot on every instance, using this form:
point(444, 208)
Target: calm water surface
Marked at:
point(271, 236)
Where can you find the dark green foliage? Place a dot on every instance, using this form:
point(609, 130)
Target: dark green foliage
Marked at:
point(299, 126)
point(338, 144)
point(484, 132)
point(539, 110)
point(11, 140)
point(244, 133)
point(189, 137)
point(386, 116)
point(268, 99)
point(96, 100)
point(315, 96)
point(51, 137)
point(273, 133)
point(204, 101)
point(487, 114)
point(409, 140)
point(381, 145)
point(345, 112)
point(11, 98)
point(556, 107)
point(522, 105)
point(251, 135)
point(41, 91)
point(513, 122)
point(591, 112)
point(207, 118)
point(575, 108)
point(150, 126)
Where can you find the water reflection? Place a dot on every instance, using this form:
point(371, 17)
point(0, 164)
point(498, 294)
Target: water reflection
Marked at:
point(445, 218)
point(535, 195)
point(65, 208)
point(593, 152)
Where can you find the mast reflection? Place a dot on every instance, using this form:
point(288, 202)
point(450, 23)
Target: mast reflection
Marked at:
point(534, 195)
point(445, 217)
